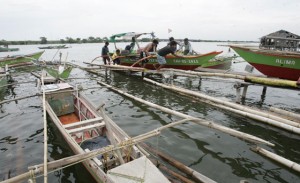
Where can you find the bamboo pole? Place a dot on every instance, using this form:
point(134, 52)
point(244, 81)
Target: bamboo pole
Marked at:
point(254, 114)
point(180, 166)
point(45, 133)
point(54, 165)
point(272, 82)
point(19, 98)
point(209, 124)
point(277, 158)
point(286, 113)
point(252, 79)
point(171, 172)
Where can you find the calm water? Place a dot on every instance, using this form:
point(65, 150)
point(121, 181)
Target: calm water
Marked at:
point(217, 155)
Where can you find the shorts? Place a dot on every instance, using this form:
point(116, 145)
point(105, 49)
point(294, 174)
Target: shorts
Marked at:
point(161, 60)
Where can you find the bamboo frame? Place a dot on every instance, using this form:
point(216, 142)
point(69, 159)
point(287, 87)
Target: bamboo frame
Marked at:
point(233, 107)
point(209, 124)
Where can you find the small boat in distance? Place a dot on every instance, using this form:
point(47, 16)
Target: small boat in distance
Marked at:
point(6, 49)
point(54, 47)
point(17, 60)
point(86, 128)
point(278, 55)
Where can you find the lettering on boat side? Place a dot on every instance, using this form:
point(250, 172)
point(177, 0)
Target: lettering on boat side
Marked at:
point(186, 61)
point(287, 62)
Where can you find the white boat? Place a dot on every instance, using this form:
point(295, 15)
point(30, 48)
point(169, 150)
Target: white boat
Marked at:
point(85, 128)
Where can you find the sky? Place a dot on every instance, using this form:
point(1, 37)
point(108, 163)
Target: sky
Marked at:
point(195, 19)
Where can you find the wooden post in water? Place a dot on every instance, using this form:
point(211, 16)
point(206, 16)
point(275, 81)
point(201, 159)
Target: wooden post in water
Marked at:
point(263, 94)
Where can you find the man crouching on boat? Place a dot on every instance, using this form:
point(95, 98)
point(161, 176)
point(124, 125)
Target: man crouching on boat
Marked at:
point(162, 53)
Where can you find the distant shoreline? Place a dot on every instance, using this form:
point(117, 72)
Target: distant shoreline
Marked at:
point(84, 41)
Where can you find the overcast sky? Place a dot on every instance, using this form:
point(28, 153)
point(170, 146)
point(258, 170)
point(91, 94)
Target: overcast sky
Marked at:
point(195, 19)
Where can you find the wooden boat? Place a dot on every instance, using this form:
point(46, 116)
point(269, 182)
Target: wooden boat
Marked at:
point(84, 129)
point(188, 63)
point(20, 59)
point(273, 63)
point(6, 49)
point(54, 47)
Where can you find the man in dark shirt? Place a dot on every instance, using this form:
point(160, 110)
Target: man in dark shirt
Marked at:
point(105, 53)
point(162, 53)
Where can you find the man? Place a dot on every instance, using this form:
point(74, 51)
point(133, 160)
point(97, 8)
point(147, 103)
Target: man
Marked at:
point(162, 53)
point(187, 47)
point(151, 47)
point(170, 39)
point(105, 53)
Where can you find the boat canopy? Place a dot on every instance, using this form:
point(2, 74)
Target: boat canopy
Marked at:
point(128, 35)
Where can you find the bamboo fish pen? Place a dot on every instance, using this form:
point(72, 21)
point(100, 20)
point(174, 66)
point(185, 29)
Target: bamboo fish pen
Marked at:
point(254, 114)
point(208, 124)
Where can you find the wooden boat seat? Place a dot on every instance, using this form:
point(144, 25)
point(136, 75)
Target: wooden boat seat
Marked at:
point(85, 128)
point(85, 122)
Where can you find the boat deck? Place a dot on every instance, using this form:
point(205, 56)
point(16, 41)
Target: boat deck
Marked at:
point(69, 118)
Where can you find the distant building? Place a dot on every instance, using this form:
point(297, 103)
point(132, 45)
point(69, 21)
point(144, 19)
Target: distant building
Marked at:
point(281, 40)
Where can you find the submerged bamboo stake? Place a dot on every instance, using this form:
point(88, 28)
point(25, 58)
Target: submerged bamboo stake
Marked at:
point(180, 166)
point(286, 113)
point(277, 158)
point(209, 124)
point(254, 114)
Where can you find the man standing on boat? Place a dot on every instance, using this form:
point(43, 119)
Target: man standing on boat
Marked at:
point(105, 53)
point(151, 47)
point(162, 53)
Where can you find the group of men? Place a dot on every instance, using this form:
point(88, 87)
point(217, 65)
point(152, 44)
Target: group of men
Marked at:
point(145, 53)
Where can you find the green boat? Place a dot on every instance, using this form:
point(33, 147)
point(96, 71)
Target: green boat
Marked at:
point(6, 49)
point(17, 60)
point(273, 63)
point(188, 63)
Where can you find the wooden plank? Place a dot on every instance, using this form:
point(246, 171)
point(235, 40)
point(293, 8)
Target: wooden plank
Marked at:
point(81, 129)
point(95, 159)
point(83, 122)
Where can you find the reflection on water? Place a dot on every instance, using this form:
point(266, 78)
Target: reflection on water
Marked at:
point(219, 156)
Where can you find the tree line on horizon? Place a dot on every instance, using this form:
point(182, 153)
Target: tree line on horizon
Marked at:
point(91, 39)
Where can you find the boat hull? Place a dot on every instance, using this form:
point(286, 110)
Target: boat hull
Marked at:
point(188, 63)
point(79, 121)
point(10, 61)
point(272, 63)
point(8, 49)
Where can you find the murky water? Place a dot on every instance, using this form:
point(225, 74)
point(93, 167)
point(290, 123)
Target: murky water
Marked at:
point(222, 157)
